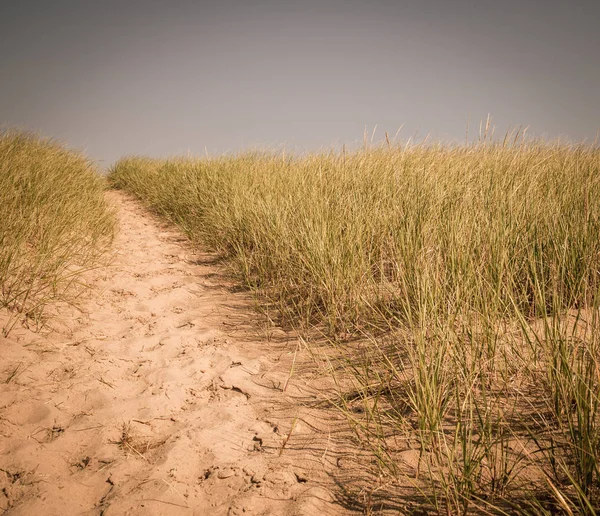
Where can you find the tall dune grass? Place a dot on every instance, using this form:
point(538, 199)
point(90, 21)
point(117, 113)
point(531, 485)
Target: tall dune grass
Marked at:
point(54, 222)
point(471, 274)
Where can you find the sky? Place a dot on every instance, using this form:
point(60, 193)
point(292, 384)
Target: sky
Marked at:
point(162, 78)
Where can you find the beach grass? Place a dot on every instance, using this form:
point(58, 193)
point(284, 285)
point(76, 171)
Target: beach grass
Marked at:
point(458, 287)
point(55, 223)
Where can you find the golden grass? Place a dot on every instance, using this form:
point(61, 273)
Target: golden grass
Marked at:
point(54, 223)
point(471, 274)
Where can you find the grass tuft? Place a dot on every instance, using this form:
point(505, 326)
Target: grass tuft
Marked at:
point(54, 223)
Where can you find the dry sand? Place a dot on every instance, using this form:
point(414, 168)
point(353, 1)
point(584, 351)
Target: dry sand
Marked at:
point(160, 395)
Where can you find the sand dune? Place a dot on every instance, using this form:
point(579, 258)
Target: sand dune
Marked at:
point(158, 395)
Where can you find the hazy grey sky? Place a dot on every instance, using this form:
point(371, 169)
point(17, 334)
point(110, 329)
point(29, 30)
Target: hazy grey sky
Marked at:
point(162, 77)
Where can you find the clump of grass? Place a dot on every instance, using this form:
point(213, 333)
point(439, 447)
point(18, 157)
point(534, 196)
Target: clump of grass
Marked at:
point(471, 273)
point(54, 222)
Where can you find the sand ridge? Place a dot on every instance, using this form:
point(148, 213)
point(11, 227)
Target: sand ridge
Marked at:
point(157, 397)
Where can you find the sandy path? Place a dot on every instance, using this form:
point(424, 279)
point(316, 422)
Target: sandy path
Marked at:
point(157, 397)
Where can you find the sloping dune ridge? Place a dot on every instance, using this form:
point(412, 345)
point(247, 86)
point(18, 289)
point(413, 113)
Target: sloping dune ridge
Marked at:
point(159, 394)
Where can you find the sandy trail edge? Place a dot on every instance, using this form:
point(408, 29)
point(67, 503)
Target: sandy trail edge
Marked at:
point(157, 397)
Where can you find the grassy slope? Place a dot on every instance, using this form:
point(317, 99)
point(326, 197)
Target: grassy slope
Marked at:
point(460, 265)
point(54, 222)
